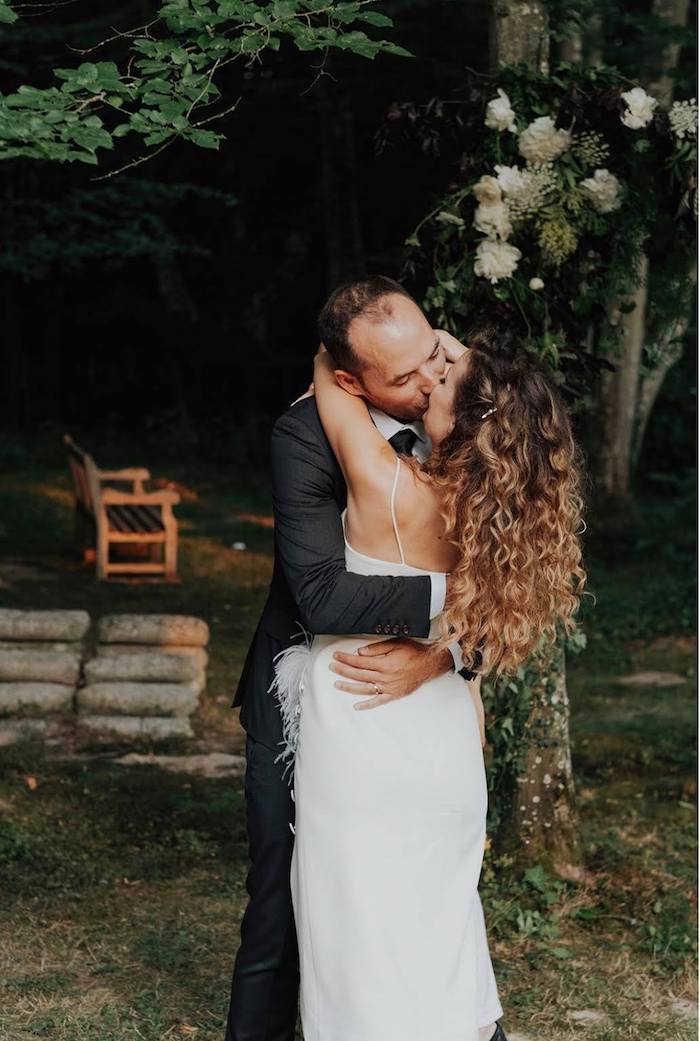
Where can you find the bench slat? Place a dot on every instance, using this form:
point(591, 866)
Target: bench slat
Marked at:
point(134, 519)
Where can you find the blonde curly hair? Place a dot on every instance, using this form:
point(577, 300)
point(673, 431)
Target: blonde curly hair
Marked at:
point(512, 506)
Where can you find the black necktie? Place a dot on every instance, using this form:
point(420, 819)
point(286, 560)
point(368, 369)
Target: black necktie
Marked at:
point(403, 441)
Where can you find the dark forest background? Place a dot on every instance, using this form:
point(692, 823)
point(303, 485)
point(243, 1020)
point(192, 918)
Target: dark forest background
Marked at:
point(174, 304)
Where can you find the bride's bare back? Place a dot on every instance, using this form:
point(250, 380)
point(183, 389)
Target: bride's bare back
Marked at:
point(397, 502)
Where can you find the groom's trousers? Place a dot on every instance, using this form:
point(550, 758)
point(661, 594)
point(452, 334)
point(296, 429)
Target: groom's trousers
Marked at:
point(265, 987)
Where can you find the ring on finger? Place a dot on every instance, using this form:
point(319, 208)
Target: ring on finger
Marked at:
point(377, 690)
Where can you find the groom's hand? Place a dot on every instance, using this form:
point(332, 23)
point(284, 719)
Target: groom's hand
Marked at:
point(389, 669)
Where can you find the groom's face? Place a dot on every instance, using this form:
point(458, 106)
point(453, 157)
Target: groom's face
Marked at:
point(401, 360)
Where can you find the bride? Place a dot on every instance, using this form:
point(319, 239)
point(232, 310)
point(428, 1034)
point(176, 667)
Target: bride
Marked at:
point(391, 803)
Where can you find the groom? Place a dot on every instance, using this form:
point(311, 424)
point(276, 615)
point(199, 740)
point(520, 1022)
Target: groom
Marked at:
point(386, 352)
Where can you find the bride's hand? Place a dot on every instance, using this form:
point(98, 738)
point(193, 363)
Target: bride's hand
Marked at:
point(450, 344)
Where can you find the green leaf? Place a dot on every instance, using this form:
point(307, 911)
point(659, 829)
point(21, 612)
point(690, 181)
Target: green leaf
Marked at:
point(359, 43)
point(537, 877)
point(252, 42)
point(204, 138)
point(7, 15)
point(157, 137)
point(562, 953)
point(284, 9)
point(375, 18)
point(393, 48)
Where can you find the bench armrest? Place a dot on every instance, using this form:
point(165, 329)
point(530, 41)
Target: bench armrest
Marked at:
point(164, 497)
point(129, 473)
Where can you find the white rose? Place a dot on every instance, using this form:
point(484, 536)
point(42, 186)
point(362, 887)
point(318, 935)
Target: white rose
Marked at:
point(493, 220)
point(640, 108)
point(499, 114)
point(487, 190)
point(541, 142)
point(536, 283)
point(511, 179)
point(496, 260)
point(603, 190)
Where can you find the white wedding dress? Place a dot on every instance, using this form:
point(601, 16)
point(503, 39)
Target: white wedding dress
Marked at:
point(389, 839)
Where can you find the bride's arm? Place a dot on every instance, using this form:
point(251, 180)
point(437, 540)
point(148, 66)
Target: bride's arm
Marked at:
point(358, 446)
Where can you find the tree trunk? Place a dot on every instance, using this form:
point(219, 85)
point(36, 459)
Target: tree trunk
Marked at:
point(675, 12)
point(594, 41)
point(628, 397)
point(548, 823)
point(519, 32)
point(619, 396)
point(671, 351)
point(571, 48)
point(544, 812)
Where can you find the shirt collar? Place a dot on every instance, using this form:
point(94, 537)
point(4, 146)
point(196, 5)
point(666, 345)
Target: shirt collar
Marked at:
point(388, 426)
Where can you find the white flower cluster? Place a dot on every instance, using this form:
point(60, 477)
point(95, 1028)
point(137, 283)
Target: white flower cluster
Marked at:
point(516, 193)
point(640, 108)
point(541, 142)
point(684, 118)
point(591, 148)
point(526, 190)
point(603, 190)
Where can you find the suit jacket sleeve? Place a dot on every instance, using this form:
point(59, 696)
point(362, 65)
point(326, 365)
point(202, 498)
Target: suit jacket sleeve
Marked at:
point(310, 546)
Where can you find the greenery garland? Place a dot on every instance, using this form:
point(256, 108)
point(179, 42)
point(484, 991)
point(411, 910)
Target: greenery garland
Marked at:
point(563, 181)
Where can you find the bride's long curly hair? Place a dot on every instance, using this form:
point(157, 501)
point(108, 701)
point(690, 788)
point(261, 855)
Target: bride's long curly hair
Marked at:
point(513, 507)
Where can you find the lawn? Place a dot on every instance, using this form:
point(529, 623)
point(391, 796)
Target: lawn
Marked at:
point(123, 886)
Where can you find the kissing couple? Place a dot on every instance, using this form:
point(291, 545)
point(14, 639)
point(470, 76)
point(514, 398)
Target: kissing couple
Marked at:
point(427, 509)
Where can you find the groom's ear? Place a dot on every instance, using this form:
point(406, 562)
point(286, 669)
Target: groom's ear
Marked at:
point(348, 382)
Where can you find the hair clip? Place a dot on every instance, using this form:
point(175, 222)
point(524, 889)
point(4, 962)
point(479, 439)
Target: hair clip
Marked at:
point(485, 414)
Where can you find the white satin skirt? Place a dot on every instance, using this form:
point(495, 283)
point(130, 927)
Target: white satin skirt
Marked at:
point(389, 840)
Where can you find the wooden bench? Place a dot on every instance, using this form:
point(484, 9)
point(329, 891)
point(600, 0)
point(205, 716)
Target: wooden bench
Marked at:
point(107, 517)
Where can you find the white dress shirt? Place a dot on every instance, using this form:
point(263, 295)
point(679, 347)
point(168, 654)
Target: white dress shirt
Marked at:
point(387, 427)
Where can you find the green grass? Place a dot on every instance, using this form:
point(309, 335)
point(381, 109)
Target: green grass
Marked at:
point(123, 887)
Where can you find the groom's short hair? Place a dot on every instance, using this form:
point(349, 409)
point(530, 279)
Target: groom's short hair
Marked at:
point(361, 297)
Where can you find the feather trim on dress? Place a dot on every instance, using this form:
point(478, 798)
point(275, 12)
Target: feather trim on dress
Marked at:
point(290, 674)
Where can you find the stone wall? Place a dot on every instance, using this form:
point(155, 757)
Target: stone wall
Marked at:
point(40, 662)
point(144, 679)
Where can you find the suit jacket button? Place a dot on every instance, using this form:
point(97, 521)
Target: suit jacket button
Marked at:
point(405, 630)
point(378, 629)
point(387, 630)
point(396, 629)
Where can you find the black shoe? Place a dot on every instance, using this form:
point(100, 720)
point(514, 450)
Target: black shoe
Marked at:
point(498, 1034)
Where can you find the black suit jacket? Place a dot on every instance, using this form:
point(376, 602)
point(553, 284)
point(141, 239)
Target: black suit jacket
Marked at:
point(310, 584)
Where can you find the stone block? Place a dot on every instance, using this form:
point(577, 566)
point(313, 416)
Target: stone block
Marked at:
point(56, 647)
point(113, 650)
point(137, 699)
point(141, 667)
point(153, 629)
point(154, 727)
point(43, 625)
point(35, 697)
point(13, 730)
point(45, 666)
